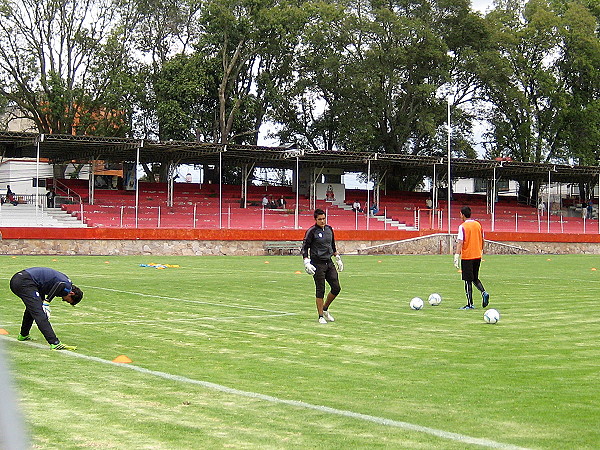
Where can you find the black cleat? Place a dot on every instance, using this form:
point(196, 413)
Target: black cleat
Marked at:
point(486, 299)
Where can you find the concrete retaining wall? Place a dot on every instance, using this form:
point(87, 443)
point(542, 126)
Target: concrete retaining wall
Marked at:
point(433, 244)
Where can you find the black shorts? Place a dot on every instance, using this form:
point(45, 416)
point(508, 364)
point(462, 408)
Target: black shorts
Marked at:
point(470, 269)
point(326, 271)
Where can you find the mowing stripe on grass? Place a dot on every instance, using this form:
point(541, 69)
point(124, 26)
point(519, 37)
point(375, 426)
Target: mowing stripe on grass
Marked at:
point(295, 403)
point(151, 321)
point(220, 305)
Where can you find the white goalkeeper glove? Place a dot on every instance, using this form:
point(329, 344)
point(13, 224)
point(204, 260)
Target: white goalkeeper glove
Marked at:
point(310, 269)
point(46, 308)
point(457, 260)
point(339, 263)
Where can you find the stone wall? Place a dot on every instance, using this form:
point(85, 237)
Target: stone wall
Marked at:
point(433, 244)
point(443, 244)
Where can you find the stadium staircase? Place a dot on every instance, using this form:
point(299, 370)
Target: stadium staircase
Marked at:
point(26, 215)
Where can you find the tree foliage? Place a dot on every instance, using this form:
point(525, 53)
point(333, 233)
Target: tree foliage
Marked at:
point(50, 55)
point(349, 75)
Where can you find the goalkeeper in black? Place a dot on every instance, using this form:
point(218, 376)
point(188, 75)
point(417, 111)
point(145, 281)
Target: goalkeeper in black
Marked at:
point(37, 287)
point(319, 242)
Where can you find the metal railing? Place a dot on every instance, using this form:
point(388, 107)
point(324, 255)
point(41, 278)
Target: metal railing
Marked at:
point(70, 193)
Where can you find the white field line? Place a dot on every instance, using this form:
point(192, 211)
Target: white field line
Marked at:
point(294, 403)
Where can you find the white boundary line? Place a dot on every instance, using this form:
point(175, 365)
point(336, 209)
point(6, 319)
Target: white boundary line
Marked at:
point(295, 403)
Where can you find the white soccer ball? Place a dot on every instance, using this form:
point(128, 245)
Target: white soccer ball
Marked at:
point(435, 299)
point(416, 303)
point(491, 316)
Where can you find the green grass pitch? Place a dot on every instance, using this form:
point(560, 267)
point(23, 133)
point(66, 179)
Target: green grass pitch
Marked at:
point(227, 352)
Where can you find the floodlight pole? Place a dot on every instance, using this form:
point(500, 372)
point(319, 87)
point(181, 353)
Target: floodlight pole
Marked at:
point(449, 178)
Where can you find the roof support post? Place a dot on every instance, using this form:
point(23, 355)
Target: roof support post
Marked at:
point(137, 184)
point(548, 201)
point(368, 211)
point(245, 175)
point(37, 177)
point(221, 186)
point(313, 187)
point(296, 209)
point(170, 179)
point(92, 182)
point(494, 201)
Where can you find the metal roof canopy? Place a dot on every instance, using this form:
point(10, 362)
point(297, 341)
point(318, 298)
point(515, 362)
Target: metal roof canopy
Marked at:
point(66, 148)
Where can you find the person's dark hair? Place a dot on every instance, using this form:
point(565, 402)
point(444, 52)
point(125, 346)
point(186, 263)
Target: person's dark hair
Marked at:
point(318, 212)
point(77, 295)
point(466, 211)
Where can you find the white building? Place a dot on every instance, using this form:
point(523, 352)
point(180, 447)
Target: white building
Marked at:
point(21, 173)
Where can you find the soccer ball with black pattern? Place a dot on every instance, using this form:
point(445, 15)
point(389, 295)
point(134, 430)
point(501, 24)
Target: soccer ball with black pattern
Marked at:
point(416, 303)
point(491, 316)
point(435, 299)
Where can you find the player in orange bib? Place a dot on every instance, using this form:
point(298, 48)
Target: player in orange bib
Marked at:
point(469, 249)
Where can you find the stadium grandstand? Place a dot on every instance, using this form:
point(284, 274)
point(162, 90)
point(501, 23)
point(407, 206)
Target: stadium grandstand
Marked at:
point(133, 204)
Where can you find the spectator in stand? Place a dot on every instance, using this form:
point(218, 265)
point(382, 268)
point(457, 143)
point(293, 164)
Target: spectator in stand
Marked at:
point(265, 201)
point(10, 196)
point(356, 206)
point(50, 195)
point(281, 203)
point(590, 208)
point(541, 207)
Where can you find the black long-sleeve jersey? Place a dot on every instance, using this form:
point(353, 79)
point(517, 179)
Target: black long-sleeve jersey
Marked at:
point(320, 242)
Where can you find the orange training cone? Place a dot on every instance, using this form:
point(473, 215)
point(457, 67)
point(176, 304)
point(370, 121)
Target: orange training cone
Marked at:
point(122, 359)
point(3, 331)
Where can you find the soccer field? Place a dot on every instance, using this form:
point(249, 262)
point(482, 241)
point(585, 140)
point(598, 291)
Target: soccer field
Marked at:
point(227, 352)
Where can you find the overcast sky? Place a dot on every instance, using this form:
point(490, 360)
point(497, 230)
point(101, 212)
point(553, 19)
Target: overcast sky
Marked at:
point(481, 5)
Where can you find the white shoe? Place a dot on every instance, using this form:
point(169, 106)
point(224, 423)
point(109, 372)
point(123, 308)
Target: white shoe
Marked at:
point(328, 316)
point(322, 320)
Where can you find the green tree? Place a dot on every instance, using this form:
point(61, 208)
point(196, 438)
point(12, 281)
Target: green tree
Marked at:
point(253, 42)
point(523, 86)
point(48, 54)
point(378, 69)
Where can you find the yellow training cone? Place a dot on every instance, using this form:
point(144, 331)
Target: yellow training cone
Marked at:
point(122, 359)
